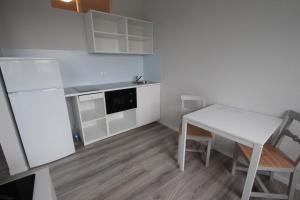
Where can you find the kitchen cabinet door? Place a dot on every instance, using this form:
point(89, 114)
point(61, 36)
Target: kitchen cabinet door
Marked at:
point(148, 104)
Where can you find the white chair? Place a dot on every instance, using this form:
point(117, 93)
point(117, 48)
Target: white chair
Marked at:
point(188, 105)
point(273, 160)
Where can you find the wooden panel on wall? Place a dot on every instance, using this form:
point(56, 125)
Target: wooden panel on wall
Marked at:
point(64, 5)
point(100, 5)
point(82, 5)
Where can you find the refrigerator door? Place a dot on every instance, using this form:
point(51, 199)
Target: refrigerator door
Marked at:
point(30, 74)
point(42, 120)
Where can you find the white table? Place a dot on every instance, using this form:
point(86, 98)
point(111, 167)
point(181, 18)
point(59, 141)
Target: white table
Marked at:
point(248, 128)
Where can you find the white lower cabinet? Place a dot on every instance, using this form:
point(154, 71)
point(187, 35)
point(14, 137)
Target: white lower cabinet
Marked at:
point(93, 123)
point(148, 104)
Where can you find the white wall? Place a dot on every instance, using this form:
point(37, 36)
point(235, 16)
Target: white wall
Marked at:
point(130, 8)
point(33, 24)
point(240, 53)
point(151, 67)
point(82, 68)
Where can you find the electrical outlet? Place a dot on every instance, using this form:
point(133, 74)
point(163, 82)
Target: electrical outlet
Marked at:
point(103, 73)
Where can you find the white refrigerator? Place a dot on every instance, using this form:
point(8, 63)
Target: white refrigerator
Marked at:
point(36, 95)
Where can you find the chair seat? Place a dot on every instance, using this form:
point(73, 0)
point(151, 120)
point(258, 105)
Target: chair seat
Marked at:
point(195, 131)
point(270, 157)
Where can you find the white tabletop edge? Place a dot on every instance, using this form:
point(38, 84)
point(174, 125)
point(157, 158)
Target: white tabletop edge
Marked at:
point(274, 125)
point(222, 133)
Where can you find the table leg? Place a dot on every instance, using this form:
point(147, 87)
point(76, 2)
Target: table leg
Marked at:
point(255, 157)
point(235, 157)
point(182, 145)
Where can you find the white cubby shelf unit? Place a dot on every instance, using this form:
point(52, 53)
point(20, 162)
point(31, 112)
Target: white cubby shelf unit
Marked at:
point(94, 124)
point(91, 117)
point(110, 33)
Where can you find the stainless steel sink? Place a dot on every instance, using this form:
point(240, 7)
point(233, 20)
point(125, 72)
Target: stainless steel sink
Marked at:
point(141, 82)
point(88, 88)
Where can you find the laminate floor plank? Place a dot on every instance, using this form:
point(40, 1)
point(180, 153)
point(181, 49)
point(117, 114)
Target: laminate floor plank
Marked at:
point(107, 158)
point(104, 148)
point(129, 159)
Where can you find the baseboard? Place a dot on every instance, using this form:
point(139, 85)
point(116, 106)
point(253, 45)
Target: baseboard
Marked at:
point(168, 125)
point(222, 151)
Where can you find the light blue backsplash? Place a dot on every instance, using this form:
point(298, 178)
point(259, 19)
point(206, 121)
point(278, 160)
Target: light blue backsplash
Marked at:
point(82, 68)
point(152, 67)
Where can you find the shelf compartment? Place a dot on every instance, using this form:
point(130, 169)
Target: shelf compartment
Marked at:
point(105, 22)
point(113, 34)
point(88, 116)
point(92, 109)
point(122, 121)
point(106, 43)
point(101, 33)
point(140, 28)
point(140, 44)
point(90, 96)
point(94, 131)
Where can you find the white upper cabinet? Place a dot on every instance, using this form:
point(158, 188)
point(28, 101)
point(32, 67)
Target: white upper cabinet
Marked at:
point(109, 33)
point(148, 104)
point(140, 36)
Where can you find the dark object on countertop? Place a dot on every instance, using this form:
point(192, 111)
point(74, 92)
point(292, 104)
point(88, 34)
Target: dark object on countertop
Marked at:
point(137, 79)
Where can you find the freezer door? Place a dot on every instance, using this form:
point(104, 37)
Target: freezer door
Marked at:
point(43, 124)
point(30, 74)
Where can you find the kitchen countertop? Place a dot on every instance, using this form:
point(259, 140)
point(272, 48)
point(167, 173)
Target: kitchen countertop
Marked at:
point(89, 89)
point(43, 186)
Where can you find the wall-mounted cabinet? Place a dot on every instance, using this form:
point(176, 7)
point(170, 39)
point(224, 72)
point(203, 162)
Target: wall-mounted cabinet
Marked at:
point(109, 43)
point(109, 33)
point(108, 23)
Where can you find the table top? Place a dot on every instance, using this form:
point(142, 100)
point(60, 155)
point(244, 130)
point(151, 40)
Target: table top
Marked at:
point(235, 123)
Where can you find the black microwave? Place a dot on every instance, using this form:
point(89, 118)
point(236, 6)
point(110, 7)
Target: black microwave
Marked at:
point(120, 100)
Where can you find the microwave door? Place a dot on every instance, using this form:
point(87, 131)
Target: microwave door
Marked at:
point(120, 100)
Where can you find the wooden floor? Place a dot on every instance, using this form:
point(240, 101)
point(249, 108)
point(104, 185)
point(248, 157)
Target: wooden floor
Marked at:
point(141, 165)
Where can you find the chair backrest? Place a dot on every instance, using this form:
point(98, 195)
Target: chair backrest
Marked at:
point(191, 103)
point(289, 117)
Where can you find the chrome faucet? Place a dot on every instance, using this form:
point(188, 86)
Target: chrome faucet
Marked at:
point(137, 78)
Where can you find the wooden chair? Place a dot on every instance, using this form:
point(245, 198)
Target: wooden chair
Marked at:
point(273, 160)
point(188, 105)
